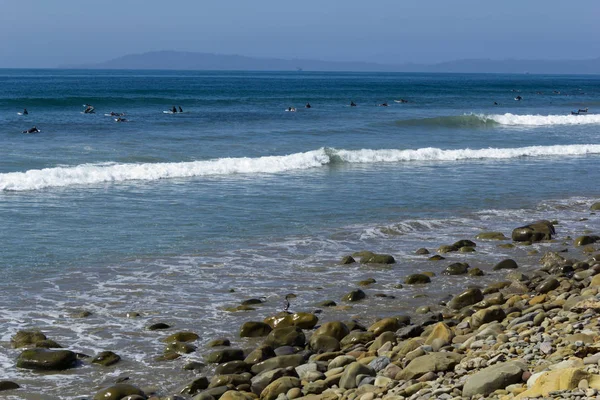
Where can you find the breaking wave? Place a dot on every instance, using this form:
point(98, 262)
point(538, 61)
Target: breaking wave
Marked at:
point(89, 174)
point(508, 119)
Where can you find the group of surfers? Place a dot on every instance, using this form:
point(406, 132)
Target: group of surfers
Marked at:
point(89, 109)
point(352, 104)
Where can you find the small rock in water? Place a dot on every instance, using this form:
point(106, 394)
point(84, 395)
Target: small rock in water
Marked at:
point(158, 326)
point(8, 385)
point(106, 358)
point(194, 366)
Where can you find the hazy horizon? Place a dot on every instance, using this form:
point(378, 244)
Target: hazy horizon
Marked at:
point(388, 32)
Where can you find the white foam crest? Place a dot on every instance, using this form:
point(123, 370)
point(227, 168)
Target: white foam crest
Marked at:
point(436, 154)
point(86, 174)
point(542, 120)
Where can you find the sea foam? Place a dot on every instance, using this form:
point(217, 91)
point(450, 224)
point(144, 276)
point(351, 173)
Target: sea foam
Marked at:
point(89, 174)
point(542, 120)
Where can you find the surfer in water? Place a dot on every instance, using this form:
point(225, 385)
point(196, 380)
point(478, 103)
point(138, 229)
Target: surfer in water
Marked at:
point(383, 105)
point(180, 109)
point(120, 119)
point(308, 105)
point(89, 110)
point(352, 104)
point(518, 98)
point(25, 111)
point(32, 130)
point(174, 110)
point(495, 103)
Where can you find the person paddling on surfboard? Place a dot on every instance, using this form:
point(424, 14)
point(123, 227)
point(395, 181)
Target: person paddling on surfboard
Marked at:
point(180, 109)
point(308, 105)
point(32, 130)
point(352, 104)
point(25, 111)
point(174, 110)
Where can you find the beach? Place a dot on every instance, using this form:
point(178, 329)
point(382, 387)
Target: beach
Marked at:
point(119, 235)
point(528, 332)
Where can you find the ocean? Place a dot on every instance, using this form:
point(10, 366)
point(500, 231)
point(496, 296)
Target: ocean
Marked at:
point(178, 217)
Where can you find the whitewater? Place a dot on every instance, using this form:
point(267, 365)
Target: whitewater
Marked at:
point(541, 120)
point(92, 174)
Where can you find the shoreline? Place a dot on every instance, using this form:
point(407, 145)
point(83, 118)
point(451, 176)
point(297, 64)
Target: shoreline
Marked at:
point(361, 346)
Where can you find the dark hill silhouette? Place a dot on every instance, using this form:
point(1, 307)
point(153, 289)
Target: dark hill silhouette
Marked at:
point(177, 60)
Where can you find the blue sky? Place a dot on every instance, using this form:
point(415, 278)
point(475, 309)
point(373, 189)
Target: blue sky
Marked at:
point(42, 33)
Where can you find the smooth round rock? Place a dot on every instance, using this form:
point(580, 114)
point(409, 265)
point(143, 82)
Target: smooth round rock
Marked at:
point(181, 337)
point(354, 295)
point(118, 391)
point(506, 264)
point(47, 360)
point(334, 329)
point(255, 329)
point(416, 279)
point(290, 336)
point(8, 385)
point(158, 326)
point(106, 358)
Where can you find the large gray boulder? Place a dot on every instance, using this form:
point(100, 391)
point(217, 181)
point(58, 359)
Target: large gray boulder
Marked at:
point(534, 232)
point(434, 362)
point(289, 336)
point(466, 298)
point(492, 378)
point(348, 379)
point(292, 360)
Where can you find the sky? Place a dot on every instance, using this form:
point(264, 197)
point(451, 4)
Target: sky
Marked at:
point(47, 34)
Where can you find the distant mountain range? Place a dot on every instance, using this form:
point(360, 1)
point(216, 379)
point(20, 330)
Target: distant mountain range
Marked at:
point(177, 60)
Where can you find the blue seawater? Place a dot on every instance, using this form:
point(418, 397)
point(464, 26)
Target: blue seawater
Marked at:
point(178, 216)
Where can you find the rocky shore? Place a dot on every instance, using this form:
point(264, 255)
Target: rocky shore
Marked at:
point(533, 334)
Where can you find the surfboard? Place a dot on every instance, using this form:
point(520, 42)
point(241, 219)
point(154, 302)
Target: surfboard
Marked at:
point(19, 113)
point(31, 133)
point(169, 112)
